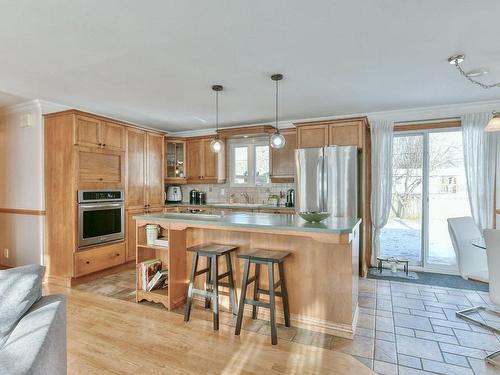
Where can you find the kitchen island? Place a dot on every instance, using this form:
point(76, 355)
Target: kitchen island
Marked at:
point(321, 272)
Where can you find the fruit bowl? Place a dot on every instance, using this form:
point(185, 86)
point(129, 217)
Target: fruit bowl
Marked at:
point(314, 217)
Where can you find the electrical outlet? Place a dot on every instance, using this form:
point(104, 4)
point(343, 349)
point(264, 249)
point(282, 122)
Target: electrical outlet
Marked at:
point(6, 253)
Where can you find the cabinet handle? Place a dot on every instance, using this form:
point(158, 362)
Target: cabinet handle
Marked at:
point(88, 262)
point(104, 145)
point(118, 254)
point(100, 144)
point(100, 178)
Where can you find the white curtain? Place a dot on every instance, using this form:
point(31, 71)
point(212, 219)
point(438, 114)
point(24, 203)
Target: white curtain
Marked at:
point(381, 139)
point(479, 158)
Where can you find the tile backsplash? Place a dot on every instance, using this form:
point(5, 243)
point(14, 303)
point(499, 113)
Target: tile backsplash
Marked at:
point(221, 193)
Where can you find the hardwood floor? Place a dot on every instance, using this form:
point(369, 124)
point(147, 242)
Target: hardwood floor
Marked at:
point(110, 336)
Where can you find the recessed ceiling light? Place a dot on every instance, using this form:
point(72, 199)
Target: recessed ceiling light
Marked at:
point(477, 72)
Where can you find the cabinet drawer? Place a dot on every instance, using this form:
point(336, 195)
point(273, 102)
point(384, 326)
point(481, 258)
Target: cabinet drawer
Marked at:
point(100, 258)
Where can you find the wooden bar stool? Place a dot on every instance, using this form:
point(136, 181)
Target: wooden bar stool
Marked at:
point(264, 257)
point(212, 252)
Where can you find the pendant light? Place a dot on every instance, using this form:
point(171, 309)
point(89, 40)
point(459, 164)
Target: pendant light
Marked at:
point(494, 123)
point(277, 139)
point(217, 145)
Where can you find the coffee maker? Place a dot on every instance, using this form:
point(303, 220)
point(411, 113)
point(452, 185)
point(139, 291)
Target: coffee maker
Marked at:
point(290, 198)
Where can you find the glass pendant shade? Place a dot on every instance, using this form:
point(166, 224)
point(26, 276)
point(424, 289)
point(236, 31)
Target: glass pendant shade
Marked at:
point(277, 140)
point(216, 145)
point(493, 124)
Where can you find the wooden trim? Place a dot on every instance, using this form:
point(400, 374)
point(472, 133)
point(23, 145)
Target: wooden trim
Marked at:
point(246, 130)
point(102, 118)
point(18, 211)
point(428, 126)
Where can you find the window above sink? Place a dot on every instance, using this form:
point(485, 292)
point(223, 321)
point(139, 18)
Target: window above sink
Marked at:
point(249, 162)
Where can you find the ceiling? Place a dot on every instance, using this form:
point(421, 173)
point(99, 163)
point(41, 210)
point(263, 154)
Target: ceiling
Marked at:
point(153, 62)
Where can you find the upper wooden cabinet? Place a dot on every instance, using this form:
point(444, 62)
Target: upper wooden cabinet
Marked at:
point(144, 156)
point(155, 196)
point(203, 165)
point(283, 159)
point(175, 161)
point(93, 132)
point(342, 132)
point(99, 169)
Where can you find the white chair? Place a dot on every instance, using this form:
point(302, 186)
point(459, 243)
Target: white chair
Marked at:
point(472, 262)
point(492, 239)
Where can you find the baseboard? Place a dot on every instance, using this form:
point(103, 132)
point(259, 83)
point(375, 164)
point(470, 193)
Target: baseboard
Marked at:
point(298, 320)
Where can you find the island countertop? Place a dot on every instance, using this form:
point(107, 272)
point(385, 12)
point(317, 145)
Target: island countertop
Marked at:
point(256, 221)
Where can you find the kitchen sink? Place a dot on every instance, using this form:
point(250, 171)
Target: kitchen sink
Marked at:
point(248, 205)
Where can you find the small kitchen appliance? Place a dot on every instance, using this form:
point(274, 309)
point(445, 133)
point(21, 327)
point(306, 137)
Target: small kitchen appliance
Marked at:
point(174, 193)
point(202, 197)
point(193, 197)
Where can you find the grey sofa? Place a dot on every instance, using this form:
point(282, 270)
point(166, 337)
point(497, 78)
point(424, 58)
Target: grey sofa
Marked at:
point(36, 342)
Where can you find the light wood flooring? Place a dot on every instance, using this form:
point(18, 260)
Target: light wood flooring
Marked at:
point(111, 336)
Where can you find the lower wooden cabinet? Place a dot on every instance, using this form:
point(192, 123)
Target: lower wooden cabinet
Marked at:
point(99, 258)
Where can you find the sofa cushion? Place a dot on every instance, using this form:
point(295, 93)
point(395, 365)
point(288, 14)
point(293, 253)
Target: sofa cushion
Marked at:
point(20, 288)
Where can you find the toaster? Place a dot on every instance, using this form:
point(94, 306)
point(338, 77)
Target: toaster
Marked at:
point(174, 193)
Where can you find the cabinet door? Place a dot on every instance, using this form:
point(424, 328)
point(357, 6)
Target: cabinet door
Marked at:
point(283, 159)
point(113, 136)
point(100, 167)
point(345, 134)
point(136, 169)
point(194, 160)
point(209, 170)
point(87, 131)
point(154, 171)
point(312, 136)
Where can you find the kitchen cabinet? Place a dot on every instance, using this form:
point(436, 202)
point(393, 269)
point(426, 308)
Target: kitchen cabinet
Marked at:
point(283, 159)
point(83, 151)
point(203, 165)
point(144, 156)
point(312, 136)
point(96, 169)
point(155, 188)
point(175, 161)
point(94, 132)
point(341, 132)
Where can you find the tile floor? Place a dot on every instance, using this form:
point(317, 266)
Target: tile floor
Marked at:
point(404, 329)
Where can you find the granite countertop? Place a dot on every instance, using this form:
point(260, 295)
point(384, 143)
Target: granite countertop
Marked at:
point(291, 222)
point(234, 206)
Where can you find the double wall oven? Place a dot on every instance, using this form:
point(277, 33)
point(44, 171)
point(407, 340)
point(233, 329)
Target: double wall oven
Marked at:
point(101, 217)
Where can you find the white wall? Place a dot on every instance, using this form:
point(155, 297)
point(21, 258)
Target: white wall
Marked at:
point(21, 184)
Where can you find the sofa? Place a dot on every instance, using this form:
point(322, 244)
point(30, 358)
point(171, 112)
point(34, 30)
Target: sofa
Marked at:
point(32, 327)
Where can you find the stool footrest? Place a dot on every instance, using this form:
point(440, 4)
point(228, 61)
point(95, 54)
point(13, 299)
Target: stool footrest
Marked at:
point(266, 292)
point(202, 292)
point(251, 280)
point(224, 284)
point(201, 272)
point(222, 276)
point(258, 303)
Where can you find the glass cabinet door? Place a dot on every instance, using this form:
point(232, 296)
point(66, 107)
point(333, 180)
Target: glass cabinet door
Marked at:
point(174, 155)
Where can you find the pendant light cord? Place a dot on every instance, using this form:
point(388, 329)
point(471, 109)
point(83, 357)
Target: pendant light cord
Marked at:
point(217, 113)
point(276, 119)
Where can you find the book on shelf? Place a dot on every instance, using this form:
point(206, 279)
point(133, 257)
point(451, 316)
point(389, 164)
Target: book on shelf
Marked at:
point(146, 271)
point(159, 280)
point(161, 241)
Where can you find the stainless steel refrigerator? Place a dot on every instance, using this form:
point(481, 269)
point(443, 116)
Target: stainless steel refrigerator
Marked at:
point(326, 180)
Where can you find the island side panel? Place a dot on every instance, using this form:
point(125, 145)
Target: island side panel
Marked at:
point(319, 275)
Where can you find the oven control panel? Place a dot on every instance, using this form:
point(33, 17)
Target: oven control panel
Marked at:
point(99, 195)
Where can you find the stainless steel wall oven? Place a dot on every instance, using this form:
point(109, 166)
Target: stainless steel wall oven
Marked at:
point(101, 217)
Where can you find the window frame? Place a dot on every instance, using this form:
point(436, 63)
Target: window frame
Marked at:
point(251, 144)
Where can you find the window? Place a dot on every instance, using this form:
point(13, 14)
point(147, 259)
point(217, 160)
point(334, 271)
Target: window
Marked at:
point(249, 162)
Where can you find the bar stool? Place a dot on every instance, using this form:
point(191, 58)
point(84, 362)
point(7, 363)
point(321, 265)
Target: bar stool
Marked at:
point(211, 252)
point(264, 257)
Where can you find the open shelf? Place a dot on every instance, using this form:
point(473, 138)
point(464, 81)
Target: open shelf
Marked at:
point(155, 247)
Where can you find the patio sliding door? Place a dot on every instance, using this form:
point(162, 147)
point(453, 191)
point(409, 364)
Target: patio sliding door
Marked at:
point(429, 187)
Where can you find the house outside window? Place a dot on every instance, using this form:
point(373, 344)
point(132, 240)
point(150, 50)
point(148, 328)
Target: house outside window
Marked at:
point(249, 162)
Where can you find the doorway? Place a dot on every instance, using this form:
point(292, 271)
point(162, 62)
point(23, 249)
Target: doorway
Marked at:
point(428, 187)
